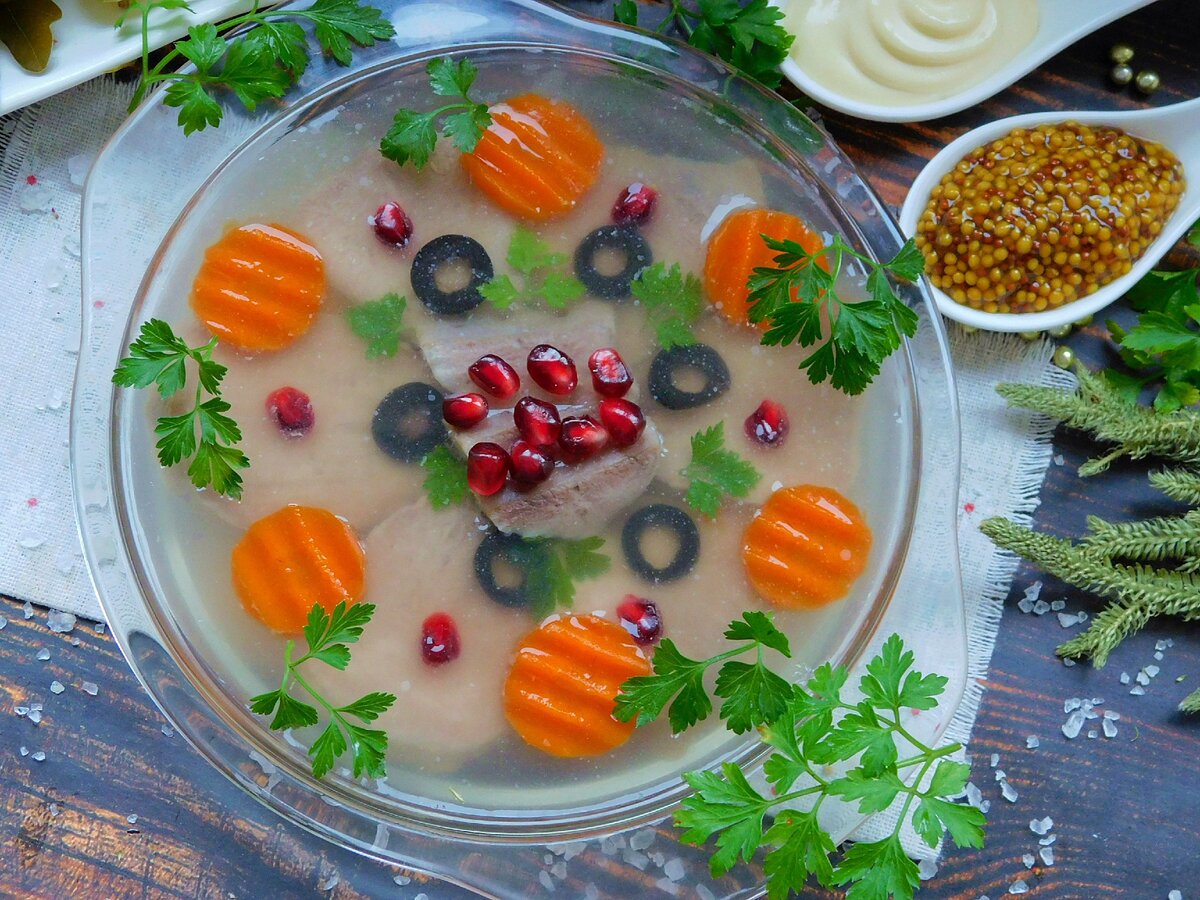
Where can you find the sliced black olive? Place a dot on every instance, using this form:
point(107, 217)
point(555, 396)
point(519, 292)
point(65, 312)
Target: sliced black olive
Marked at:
point(625, 241)
point(408, 422)
point(442, 251)
point(518, 555)
point(668, 365)
point(670, 518)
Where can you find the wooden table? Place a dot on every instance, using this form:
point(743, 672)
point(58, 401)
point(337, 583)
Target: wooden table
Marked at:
point(1125, 810)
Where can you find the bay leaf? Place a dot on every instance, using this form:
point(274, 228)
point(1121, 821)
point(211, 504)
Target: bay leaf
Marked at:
point(25, 30)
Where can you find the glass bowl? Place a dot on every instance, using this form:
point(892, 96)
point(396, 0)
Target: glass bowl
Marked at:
point(147, 201)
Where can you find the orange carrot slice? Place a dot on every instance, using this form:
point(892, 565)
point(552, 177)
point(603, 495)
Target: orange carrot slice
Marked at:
point(736, 249)
point(537, 159)
point(805, 547)
point(563, 684)
point(259, 287)
point(293, 558)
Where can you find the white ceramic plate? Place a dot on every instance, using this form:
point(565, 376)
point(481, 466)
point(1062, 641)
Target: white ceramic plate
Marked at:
point(1061, 23)
point(86, 45)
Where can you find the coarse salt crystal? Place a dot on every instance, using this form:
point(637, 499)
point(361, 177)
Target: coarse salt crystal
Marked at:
point(1025, 605)
point(1158, 654)
point(57, 687)
point(43, 654)
point(132, 820)
point(1033, 591)
point(1048, 840)
point(27, 609)
point(1110, 728)
point(1066, 620)
point(547, 881)
point(1072, 704)
point(60, 622)
point(1041, 608)
point(35, 716)
point(401, 880)
point(974, 795)
point(674, 869)
point(21, 711)
point(667, 886)
point(641, 840)
point(1029, 859)
point(638, 860)
point(1073, 725)
point(559, 870)
point(100, 628)
point(1041, 826)
point(1137, 690)
point(1125, 678)
point(1008, 792)
point(1142, 678)
point(1174, 895)
point(1056, 605)
point(1112, 714)
point(24, 750)
point(1068, 662)
point(704, 893)
point(1093, 734)
point(1152, 670)
point(1059, 460)
point(927, 869)
point(995, 760)
point(167, 731)
point(39, 756)
point(3, 622)
point(90, 688)
point(1047, 855)
point(1000, 775)
point(1018, 887)
point(985, 806)
point(1032, 742)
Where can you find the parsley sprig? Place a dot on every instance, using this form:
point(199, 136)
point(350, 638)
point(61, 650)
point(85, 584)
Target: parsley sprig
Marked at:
point(536, 264)
point(445, 477)
point(748, 37)
point(553, 565)
point(810, 728)
point(380, 324)
point(715, 472)
point(259, 64)
point(673, 302)
point(327, 636)
point(861, 335)
point(204, 433)
point(1163, 348)
point(414, 135)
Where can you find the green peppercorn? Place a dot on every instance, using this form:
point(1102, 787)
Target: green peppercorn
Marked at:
point(1031, 335)
point(1121, 74)
point(1064, 357)
point(1059, 331)
point(1085, 321)
point(1121, 53)
point(1147, 81)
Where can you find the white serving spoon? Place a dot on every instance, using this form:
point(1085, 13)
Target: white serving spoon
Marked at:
point(1176, 127)
point(1061, 23)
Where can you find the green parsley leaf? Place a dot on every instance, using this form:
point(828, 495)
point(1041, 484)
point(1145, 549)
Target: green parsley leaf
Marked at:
point(874, 792)
point(157, 356)
point(527, 252)
point(678, 680)
point(555, 564)
point(801, 849)
point(339, 23)
point(753, 695)
point(673, 303)
point(327, 634)
point(933, 816)
point(879, 870)
point(715, 472)
point(197, 107)
point(500, 292)
point(284, 42)
point(759, 627)
point(536, 265)
point(625, 12)
point(253, 75)
point(792, 294)
point(727, 807)
point(204, 47)
point(445, 478)
point(413, 135)
point(380, 323)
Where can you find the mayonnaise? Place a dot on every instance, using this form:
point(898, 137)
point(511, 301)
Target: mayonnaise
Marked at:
point(905, 52)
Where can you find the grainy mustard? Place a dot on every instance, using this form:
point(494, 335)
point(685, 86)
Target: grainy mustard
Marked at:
point(1044, 216)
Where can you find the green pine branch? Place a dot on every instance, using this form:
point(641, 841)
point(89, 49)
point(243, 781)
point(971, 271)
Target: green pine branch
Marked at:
point(1191, 703)
point(1178, 484)
point(1148, 541)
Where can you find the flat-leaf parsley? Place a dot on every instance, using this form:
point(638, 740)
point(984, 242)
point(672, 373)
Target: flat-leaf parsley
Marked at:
point(414, 135)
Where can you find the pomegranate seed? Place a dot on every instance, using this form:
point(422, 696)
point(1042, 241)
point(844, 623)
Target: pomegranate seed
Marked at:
point(487, 468)
point(439, 639)
point(392, 224)
point(530, 464)
point(767, 425)
point(610, 376)
point(465, 410)
point(636, 204)
point(538, 421)
point(292, 411)
point(640, 618)
point(495, 376)
point(623, 419)
point(581, 437)
point(552, 369)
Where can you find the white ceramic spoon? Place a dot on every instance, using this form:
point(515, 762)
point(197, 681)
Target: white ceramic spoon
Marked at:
point(1061, 23)
point(1176, 127)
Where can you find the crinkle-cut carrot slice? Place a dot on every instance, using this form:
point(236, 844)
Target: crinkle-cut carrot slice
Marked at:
point(736, 249)
point(259, 287)
point(293, 558)
point(806, 547)
point(537, 158)
point(563, 684)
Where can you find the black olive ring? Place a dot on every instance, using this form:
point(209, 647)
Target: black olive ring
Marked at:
point(407, 423)
point(512, 549)
point(672, 518)
point(437, 253)
point(626, 240)
point(698, 357)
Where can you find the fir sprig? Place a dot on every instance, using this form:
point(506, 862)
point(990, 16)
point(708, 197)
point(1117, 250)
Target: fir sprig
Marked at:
point(810, 728)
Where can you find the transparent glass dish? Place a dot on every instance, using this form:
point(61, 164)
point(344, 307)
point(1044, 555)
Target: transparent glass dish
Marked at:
point(147, 182)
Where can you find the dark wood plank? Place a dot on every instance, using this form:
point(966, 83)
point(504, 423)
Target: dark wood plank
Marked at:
point(1124, 808)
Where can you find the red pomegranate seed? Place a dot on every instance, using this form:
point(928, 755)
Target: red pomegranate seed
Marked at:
point(392, 224)
point(635, 205)
point(495, 376)
point(552, 369)
point(530, 464)
point(767, 425)
point(610, 376)
point(487, 468)
point(538, 421)
point(465, 410)
point(439, 639)
point(623, 419)
point(581, 437)
point(640, 618)
point(292, 411)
